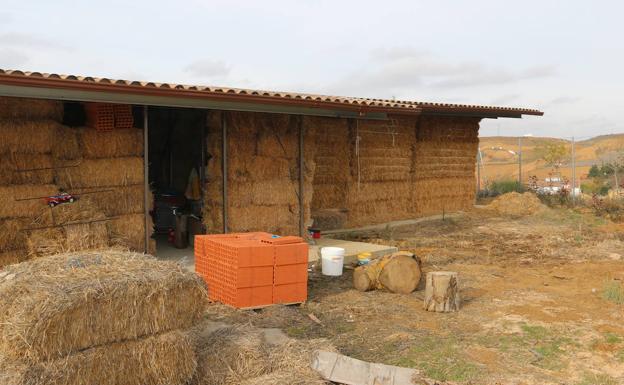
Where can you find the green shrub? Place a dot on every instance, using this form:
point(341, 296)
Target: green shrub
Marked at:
point(505, 186)
point(614, 292)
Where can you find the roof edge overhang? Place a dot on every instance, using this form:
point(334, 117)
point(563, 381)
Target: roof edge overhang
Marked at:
point(44, 87)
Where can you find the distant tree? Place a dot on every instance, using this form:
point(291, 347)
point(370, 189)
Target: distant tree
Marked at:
point(594, 172)
point(555, 155)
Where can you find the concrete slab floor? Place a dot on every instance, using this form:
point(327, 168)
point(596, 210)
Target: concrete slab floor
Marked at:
point(167, 252)
point(352, 249)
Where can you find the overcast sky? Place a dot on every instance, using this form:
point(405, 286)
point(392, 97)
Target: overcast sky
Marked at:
point(563, 57)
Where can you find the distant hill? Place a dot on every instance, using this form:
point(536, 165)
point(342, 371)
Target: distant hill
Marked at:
point(500, 156)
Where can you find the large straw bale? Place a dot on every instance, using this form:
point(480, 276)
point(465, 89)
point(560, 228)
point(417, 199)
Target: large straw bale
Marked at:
point(245, 357)
point(11, 235)
point(102, 173)
point(14, 165)
point(66, 144)
point(245, 167)
point(165, 359)
point(128, 232)
point(11, 257)
point(265, 193)
point(30, 137)
point(112, 144)
point(282, 219)
point(57, 305)
point(115, 201)
point(68, 227)
point(30, 109)
point(11, 207)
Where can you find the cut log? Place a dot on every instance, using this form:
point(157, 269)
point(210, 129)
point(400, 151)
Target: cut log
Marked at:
point(398, 273)
point(442, 292)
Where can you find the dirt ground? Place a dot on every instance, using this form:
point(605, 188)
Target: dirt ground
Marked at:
point(534, 294)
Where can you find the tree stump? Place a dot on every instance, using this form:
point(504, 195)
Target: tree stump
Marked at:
point(442, 292)
point(398, 273)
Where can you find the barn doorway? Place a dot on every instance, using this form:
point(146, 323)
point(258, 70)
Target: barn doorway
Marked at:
point(177, 162)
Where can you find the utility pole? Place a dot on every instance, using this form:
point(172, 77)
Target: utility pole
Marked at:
point(478, 171)
point(520, 161)
point(573, 174)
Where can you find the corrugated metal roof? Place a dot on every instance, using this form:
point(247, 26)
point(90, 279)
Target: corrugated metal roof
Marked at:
point(40, 79)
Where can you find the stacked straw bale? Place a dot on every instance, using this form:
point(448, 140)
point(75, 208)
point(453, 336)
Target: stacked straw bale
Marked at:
point(99, 317)
point(363, 170)
point(444, 175)
point(263, 174)
point(110, 174)
point(29, 130)
point(39, 157)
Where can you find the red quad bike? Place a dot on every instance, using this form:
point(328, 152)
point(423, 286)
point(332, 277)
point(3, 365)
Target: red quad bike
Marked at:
point(59, 199)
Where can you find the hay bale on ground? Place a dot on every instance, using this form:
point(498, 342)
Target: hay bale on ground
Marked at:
point(14, 166)
point(30, 109)
point(101, 173)
point(113, 144)
point(517, 205)
point(30, 137)
point(166, 359)
point(12, 208)
point(245, 357)
point(58, 305)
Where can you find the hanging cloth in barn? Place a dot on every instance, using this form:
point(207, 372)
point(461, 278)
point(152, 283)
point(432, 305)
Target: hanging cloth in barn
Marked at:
point(193, 191)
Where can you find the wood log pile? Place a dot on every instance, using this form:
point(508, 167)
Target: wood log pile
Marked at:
point(400, 272)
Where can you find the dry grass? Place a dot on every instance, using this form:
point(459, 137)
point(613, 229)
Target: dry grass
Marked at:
point(102, 173)
point(166, 359)
point(114, 144)
point(30, 137)
point(58, 305)
point(30, 109)
point(245, 357)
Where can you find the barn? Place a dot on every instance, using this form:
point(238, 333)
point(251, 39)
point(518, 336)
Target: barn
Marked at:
point(136, 155)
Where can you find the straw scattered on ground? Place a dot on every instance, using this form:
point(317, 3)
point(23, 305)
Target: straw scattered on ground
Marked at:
point(517, 205)
point(244, 356)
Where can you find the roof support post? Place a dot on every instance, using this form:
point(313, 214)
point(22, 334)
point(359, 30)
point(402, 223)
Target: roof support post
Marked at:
point(301, 176)
point(224, 169)
point(146, 203)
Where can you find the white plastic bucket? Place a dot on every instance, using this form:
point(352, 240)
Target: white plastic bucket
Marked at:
point(332, 260)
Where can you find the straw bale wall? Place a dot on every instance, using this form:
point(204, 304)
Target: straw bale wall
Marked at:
point(263, 173)
point(379, 171)
point(40, 157)
point(445, 153)
point(360, 172)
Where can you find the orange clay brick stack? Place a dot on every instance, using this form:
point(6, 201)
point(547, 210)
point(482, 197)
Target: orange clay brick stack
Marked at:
point(249, 270)
point(107, 117)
